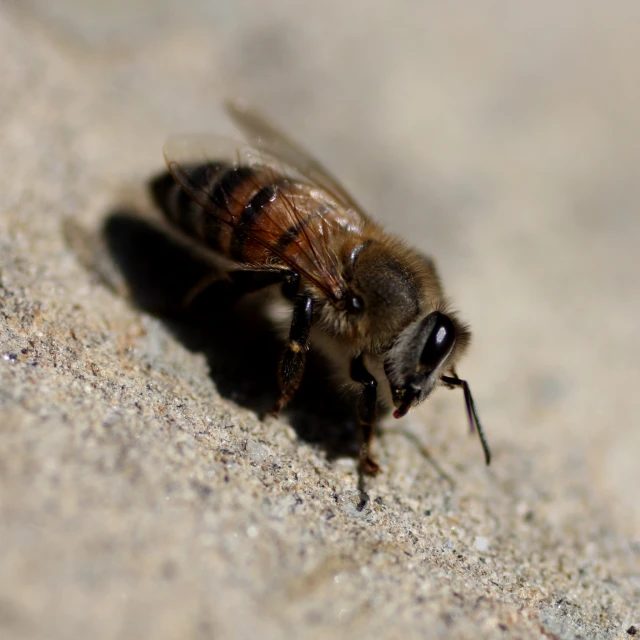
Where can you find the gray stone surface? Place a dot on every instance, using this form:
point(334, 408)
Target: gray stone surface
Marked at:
point(141, 496)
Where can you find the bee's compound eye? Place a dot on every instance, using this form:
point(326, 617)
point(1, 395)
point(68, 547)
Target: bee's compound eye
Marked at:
point(355, 304)
point(439, 341)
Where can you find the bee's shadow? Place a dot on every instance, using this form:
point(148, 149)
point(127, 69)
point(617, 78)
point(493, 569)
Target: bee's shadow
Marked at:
point(241, 346)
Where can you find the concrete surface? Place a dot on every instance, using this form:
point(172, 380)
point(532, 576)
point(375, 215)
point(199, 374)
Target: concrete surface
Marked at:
point(141, 496)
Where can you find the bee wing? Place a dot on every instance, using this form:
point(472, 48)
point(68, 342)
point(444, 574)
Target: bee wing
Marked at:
point(185, 152)
point(317, 214)
point(266, 136)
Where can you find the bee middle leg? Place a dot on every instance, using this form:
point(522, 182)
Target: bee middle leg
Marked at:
point(367, 413)
point(295, 354)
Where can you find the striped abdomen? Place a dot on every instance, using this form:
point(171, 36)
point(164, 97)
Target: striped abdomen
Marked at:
point(251, 216)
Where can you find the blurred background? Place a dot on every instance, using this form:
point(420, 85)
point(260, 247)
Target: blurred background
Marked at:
point(500, 137)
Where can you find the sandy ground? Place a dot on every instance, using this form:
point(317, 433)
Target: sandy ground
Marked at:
point(140, 494)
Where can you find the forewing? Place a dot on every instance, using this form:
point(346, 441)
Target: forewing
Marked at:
point(184, 152)
point(266, 136)
point(311, 209)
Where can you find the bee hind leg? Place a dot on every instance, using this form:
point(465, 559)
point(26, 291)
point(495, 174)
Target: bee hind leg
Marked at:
point(295, 354)
point(367, 413)
point(202, 285)
point(242, 281)
point(249, 280)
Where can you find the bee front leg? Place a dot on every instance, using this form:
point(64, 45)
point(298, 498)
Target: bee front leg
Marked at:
point(367, 413)
point(295, 355)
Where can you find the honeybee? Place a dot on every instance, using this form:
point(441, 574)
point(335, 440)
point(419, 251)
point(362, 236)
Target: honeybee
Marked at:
point(371, 303)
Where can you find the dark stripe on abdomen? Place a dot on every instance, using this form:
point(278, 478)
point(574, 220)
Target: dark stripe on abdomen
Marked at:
point(228, 182)
point(181, 210)
point(176, 205)
point(249, 216)
point(291, 234)
point(187, 214)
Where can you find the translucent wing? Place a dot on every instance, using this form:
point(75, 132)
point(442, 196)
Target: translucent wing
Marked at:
point(266, 136)
point(188, 150)
point(310, 210)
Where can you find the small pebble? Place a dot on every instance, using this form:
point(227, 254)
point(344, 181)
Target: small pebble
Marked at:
point(481, 544)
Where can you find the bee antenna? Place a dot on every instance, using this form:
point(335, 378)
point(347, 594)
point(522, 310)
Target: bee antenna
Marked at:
point(474, 421)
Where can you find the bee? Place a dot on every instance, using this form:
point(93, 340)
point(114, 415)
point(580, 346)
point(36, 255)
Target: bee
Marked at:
point(372, 304)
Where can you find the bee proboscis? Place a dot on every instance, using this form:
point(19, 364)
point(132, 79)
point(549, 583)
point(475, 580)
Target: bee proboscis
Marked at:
point(372, 304)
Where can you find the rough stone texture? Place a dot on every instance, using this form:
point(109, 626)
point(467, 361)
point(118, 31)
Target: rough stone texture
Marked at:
point(141, 496)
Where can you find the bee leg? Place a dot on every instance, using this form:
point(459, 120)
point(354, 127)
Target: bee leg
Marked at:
point(367, 413)
point(243, 281)
point(249, 280)
point(295, 355)
point(291, 285)
point(202, 285)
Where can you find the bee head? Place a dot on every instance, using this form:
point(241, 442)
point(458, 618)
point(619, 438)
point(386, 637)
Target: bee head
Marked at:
point(420, 355)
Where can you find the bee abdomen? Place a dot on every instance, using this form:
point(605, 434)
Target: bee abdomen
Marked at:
point(237, 198)
point(251, 215)
point(249, 219)
point(182, 211)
